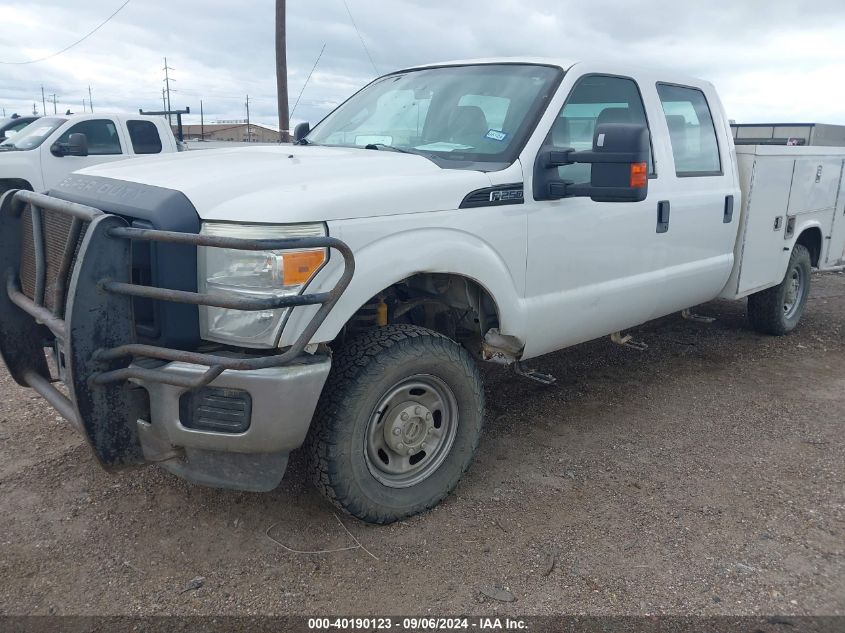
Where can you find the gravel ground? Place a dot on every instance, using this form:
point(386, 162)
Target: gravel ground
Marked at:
point(705, 475)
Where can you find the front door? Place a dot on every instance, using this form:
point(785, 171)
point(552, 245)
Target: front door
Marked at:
point(104, 146)
point(593, 267)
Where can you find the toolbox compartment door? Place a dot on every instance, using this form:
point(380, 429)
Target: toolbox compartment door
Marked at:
point(836, 247)
point(764, 214)
point(815, 183)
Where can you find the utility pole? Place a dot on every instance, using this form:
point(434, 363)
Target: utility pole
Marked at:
point(163, 101)
point(90, 99)
point(248, 131)
point(202, 123)
point(167, 81)
point(35, 110)
point(54, 103)
point(43, 102)
point(83, 105)
point(282, 72)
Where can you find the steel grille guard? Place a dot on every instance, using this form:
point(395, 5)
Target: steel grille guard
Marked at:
point(92, 318)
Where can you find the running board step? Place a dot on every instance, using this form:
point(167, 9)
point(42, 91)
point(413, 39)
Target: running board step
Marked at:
point(689, 315)
point(626, 340)
point(533, 374)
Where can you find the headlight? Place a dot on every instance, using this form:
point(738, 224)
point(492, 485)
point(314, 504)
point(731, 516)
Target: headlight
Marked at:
point(258, 274)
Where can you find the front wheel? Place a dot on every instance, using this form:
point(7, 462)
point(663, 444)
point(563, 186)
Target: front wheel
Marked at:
point(777, 310)
point(398, 423)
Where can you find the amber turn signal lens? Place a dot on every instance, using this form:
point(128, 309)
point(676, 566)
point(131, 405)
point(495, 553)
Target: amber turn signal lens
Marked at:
point(639, 175)
point(300, 266)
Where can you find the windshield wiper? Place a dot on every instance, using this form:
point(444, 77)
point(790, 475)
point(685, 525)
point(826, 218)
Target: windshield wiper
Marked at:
point(389, 148)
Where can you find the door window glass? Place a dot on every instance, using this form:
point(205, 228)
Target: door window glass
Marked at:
point(101, 134)
point(691, 131)
point(595, 99)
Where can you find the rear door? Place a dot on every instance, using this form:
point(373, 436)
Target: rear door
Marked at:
point(701, 189)
point(104, 145)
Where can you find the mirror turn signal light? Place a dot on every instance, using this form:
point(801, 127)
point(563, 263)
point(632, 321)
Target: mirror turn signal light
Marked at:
point(300, 266)
point(639, 175)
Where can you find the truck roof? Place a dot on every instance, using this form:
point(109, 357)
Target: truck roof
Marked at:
point(621, 68)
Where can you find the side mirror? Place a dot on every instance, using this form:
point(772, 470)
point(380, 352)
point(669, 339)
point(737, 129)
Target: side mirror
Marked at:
point(619, 172)
point(77, 145)
point(301, 131)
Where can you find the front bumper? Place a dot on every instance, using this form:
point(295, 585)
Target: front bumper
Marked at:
point(123, 396)
point(282, 399)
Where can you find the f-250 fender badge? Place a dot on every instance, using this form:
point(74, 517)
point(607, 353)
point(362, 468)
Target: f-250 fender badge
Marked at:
point(494, 196)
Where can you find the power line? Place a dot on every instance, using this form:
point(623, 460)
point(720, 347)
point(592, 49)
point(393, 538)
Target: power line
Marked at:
point(79, 41)
point(366, 50)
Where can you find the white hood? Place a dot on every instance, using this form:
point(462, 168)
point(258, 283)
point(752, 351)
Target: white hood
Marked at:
point(300, 183)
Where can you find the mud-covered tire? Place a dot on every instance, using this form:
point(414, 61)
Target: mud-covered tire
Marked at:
point(778, 310)
point(366, 371)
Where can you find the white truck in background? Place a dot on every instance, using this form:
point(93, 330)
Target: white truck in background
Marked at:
point(340, 291)
point(44, 152)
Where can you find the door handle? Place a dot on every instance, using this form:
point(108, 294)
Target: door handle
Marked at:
point(729, 209)
point(662, 216)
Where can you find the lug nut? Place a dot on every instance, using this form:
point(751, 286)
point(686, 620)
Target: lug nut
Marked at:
point(417, 410)
point(404, 417)
point(428, 416)
point(397, 431)
point(422, 446)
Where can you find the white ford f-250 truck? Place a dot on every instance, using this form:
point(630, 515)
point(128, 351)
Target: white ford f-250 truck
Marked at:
point(213, 311)
point(42, 154)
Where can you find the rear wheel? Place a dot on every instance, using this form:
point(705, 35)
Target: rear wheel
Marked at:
point(778, 310)
point(398, 423)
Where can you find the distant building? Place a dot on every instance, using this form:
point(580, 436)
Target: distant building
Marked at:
point(788, 134)
point(231, 131)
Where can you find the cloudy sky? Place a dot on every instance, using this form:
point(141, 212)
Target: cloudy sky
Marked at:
point(770, 60)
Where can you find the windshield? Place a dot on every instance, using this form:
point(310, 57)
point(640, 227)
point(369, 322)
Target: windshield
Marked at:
point(464, 113)
point(33, 134)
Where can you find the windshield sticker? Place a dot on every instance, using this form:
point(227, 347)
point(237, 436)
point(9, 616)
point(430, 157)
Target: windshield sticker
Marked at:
point(496, 135)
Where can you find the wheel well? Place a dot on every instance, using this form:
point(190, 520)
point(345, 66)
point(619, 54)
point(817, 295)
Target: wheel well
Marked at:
point(454, 305)
point(811, 239)
point(14, 183)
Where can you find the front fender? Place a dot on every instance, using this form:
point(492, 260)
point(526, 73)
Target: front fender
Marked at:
point(389, 259)
point(20, 170)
